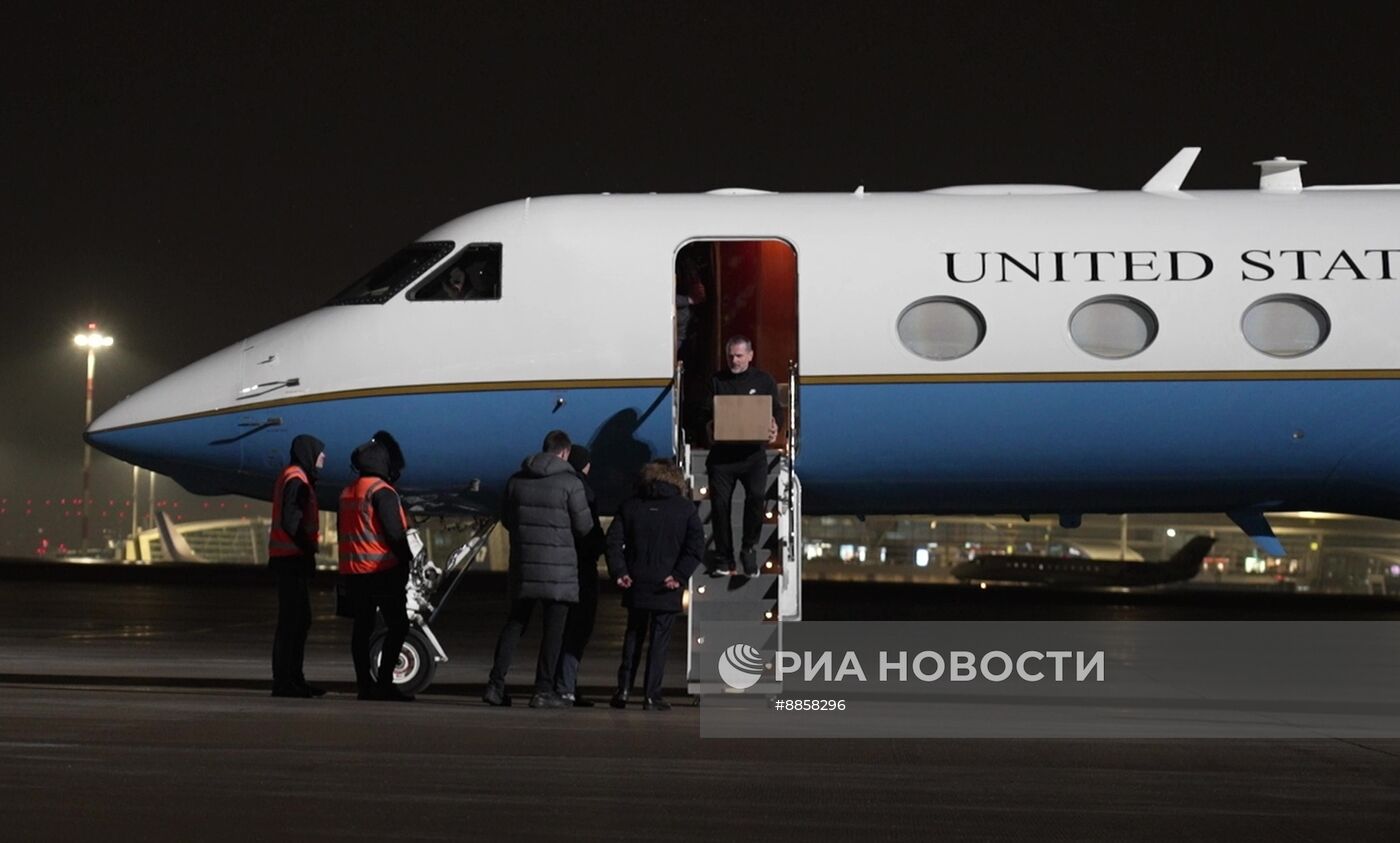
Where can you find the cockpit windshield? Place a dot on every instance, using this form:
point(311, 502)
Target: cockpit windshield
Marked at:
point(403, 268)
point(473, 275)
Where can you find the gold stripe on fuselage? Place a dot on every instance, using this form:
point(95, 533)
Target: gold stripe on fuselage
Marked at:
point(416, 389)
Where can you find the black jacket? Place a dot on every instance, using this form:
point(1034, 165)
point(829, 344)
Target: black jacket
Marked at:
point(591, 546)
point(655, 535)
point(545, 510)
point(296, 497)
point(751, 381)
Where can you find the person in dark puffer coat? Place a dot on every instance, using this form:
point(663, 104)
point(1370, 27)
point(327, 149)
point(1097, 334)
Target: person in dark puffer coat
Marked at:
point(546, 511)
point(654, 544)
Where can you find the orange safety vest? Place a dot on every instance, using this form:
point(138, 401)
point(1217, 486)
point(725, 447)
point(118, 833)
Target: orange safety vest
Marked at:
point(363, 549)
point(279, 543)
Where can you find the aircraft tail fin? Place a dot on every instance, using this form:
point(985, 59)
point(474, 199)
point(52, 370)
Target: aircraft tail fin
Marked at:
point(1192, 554)
point(176, 546)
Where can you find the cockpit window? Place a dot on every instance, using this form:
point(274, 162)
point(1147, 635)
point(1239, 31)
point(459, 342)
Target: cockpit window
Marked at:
point(386, 280)
point(473, 275)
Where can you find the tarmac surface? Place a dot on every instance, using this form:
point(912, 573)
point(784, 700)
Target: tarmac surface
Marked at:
point(133, 705)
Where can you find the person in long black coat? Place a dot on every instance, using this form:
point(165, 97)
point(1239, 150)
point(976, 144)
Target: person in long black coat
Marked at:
point(655, 543)
point(583, 614)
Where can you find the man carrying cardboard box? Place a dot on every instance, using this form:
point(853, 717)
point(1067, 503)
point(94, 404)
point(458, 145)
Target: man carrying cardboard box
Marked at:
point(738, 452)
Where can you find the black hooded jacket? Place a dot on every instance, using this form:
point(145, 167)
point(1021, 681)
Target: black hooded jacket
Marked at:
point(656, 535)
point(296, 495)
point(376, 459)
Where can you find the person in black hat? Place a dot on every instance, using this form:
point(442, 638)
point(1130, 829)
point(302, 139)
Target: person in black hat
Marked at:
point(579, 626)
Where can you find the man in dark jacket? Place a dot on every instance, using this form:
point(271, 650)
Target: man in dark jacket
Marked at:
point(744, 462)
point(654, 544)
point(546, 512)
point(375, 560)
point(291, 555)
point(579, 626)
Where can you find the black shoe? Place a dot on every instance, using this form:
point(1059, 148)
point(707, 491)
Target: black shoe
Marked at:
point(312, 690)
point(657, 704)
point(750, 560)
point(548, 701)
point(290, 691)
point(495, 696)
point(583, 702)
point(619, 700)
point(391, 693)
point(722, 569)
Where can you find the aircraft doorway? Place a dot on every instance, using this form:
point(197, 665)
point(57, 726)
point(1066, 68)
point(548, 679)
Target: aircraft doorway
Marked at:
point(726, 288)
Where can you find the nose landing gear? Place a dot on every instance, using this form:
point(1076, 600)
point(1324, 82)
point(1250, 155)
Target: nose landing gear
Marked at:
point(429, 588)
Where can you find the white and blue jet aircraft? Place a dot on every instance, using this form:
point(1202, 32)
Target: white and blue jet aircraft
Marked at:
point(975, 349)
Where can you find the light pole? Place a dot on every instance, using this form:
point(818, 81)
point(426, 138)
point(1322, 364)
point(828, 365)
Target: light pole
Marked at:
point(92, 341)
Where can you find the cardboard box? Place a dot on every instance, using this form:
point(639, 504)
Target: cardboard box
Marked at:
point(742, 418)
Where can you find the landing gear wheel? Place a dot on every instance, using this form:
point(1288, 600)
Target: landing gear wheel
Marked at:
point(416, 666)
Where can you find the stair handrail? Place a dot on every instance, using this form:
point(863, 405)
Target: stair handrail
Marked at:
point(678, 444)
point(791, 446)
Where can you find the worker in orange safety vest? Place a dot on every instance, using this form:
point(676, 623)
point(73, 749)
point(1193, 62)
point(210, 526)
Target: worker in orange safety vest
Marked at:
point(374, 562)
point(291, 554)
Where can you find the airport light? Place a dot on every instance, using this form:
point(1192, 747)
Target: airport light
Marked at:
point(92, 341)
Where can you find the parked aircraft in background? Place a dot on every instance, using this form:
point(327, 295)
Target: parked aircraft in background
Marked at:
point(1081, 572)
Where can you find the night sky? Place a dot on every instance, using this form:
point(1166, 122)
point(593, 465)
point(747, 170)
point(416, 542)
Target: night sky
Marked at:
point(186, 176)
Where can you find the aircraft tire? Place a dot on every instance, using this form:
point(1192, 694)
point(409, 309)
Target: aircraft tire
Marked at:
point(416, 666)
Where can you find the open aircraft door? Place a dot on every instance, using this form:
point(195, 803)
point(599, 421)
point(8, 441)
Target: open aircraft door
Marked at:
point(729, 288)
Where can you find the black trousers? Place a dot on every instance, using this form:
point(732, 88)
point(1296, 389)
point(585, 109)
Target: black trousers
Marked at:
point(645, 624)
point(293, 622)
point(382, 592)
point(578, 628)
point(555, 616)
point(753, 473)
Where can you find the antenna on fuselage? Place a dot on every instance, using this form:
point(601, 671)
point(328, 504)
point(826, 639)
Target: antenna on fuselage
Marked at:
point(1280, 175)
point(1173, 173)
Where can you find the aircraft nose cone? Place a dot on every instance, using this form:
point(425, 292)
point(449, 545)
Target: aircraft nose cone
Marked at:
point(159, 423)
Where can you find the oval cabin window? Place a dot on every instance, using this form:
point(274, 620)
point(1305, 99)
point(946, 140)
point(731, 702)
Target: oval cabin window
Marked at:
point(1113, 327)
point(1285, 326)
point(941, 328)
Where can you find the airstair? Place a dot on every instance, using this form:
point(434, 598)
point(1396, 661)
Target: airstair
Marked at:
point(735, 622)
